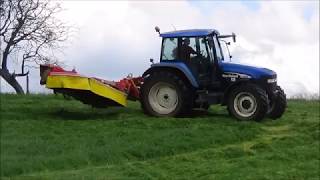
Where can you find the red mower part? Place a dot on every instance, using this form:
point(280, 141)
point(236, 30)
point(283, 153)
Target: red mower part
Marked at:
point(131, 86)
point(48, 69)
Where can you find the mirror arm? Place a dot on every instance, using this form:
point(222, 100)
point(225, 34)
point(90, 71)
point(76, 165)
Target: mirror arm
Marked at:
point(227, 43)
point(233, 36)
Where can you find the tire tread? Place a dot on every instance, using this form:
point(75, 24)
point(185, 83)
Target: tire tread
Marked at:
point(280, 105)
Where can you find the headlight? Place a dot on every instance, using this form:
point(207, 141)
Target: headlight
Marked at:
point(272, 80)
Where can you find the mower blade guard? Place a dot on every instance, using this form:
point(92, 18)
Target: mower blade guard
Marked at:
point(85, 89)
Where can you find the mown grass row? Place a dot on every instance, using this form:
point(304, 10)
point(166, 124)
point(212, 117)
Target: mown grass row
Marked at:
point(47, 137)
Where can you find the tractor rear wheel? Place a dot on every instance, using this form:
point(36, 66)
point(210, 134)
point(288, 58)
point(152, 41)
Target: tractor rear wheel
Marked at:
point(166, 94)
point(278, 104)
point(248, 102)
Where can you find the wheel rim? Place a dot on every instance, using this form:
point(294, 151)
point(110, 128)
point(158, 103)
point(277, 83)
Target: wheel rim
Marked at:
point(163, 98)
point(245, 104)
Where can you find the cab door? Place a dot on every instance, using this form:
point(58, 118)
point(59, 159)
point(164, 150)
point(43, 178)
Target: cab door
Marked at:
point(202, 61)
point(196, 55)
point(205, 63)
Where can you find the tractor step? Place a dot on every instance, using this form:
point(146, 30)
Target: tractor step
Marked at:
point(215, 85)
point(209, 97)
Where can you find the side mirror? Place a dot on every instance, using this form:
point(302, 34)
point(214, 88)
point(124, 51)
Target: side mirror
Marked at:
point(234, 37)
point(157, 29)
point(151, 60)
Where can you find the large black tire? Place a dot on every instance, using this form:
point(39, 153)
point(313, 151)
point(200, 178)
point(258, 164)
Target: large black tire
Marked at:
point(278, 105)
point(248, 102)
point(154, 102)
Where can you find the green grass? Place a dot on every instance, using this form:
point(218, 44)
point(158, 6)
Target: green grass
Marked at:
point(47, 137)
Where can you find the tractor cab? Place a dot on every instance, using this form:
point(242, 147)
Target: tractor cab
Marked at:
point(196, 49)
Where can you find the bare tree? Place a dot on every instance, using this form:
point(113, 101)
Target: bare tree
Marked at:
point(29, 33)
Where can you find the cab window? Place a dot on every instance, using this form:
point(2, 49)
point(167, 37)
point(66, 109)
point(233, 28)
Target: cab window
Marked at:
point(169, 49)
point(203, 48)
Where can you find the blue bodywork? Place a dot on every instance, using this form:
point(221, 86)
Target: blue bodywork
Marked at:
point(254, 72)
point(180, 66)
point(189, 33)
point(225, 67)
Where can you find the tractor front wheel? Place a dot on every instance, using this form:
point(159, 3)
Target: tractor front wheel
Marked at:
point(278, 104)
point(248, 102)
point(165, 94)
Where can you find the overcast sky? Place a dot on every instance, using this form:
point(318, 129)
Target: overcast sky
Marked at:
point(116, 38)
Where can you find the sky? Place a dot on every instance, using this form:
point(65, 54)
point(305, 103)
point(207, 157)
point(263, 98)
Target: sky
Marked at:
point(115, 38)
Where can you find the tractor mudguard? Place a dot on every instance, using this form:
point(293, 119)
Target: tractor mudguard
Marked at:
point(180, 66)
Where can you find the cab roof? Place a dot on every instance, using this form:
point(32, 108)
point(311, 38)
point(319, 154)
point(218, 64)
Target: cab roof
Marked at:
point(189, 33)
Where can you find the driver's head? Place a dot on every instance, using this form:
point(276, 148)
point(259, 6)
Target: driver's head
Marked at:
point(186, 41)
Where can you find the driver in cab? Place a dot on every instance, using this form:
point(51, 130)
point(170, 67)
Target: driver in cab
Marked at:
point(186, 50)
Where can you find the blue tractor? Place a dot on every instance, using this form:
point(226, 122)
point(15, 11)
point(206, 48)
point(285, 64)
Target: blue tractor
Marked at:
point(192, 73)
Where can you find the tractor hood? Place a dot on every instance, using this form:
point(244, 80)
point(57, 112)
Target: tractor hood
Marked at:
point(254, 72)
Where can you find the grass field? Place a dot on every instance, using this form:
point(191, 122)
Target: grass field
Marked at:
point(47, 137)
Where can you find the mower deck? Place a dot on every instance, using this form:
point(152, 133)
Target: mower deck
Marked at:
point(89, 90)
point(86, 89)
